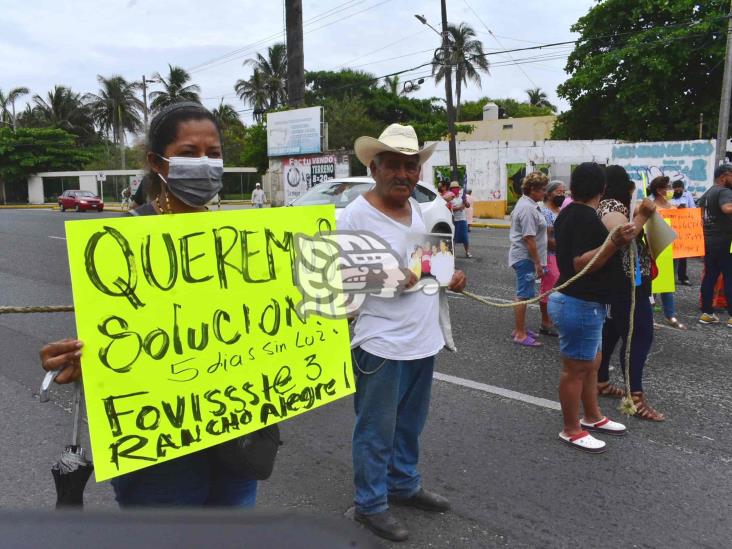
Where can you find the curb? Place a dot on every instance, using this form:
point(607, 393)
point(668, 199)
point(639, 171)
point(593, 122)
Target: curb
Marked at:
point(490, 226)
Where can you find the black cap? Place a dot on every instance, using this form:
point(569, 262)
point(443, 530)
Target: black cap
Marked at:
point(722, 169)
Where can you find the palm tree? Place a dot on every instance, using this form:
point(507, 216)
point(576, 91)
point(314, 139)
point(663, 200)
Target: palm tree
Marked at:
point(116, 109)
point(391, 84)
point(466, 59)
point(254, 92)
point(226, 115)
point(273, 70)
point(176, 88)
point(61, 108)
point(538, 98)
point(8, 116)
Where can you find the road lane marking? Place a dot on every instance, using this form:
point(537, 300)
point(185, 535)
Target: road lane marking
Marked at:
point(57, 237)
point(500, 391)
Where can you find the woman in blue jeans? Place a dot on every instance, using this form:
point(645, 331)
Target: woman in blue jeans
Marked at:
point(181, 130)
point(579, 310)
point(614, 210)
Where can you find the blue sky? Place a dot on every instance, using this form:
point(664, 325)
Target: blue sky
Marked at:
point(46, 42)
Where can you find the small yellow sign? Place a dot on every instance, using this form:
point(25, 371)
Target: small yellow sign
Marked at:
point(192, 331)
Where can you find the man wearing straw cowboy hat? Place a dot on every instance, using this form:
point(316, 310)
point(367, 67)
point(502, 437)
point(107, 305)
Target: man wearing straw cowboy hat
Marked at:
point(394, 343)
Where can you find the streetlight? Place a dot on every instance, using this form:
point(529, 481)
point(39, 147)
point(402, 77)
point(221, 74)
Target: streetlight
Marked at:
point(448, 87)
point(145, 82)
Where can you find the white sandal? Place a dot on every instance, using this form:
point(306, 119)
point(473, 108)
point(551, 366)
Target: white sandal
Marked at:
point(605, 425)
point(583, 441)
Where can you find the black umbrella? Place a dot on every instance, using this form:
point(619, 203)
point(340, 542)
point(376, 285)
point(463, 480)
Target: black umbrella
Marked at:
point(73, 469)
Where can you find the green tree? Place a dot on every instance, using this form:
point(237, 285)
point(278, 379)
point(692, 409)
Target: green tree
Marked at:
point(538, 98)
point(509, 108)
point(7, 115)
point(116, 109)
point(467, 59)
point(254, 93)
point(255, 148)
point(644, 70)
point(33, 150)
point(226, 116)
point(347, 119)
point(175, 88)
point(272, 74)
point(61, 108)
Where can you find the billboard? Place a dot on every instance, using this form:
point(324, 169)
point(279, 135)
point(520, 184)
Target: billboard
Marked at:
point(294, 132)
point(303, 172)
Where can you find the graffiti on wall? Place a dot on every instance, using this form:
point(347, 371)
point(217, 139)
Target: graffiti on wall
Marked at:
point(689, 161)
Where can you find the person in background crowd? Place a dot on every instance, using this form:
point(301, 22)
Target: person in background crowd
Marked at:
point(258, 196)
point(469, 210)
point(394, 343)
point(527, 251)
point(178, 133)
point(459, 218)
point(550, 208)
point(716, 206)
point(681, 199)
point(141, 194)
point(579, 310)
point(614, 210)
point(659, 191)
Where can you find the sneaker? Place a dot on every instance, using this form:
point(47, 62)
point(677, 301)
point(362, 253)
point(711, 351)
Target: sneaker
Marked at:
point(708, 319)
point(729, 322)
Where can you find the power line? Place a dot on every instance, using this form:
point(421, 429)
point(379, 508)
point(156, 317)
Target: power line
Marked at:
point(246, 50)
point(499, 42)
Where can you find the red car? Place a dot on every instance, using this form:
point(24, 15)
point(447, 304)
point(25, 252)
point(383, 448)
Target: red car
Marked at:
point(80, 201)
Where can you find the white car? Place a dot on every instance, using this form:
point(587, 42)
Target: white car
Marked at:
point(341, 192)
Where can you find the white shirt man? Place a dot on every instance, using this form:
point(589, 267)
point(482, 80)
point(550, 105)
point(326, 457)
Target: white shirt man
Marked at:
point(258, 196)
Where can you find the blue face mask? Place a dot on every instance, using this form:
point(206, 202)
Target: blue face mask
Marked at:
point(194, 181)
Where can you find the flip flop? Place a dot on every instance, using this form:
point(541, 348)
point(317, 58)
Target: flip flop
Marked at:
point(528, 341)
point(551, 332)
point(584, 441)
point(606, 426)
point(528, 332)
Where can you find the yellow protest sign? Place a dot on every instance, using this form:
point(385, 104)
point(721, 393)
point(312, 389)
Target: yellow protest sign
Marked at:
point(665, 281)
point(687, 222)
point(192, 331)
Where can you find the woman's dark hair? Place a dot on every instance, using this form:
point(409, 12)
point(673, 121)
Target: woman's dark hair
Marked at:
point(164, 129)
point(587, 181)
point(658, 183)
point(619, 185)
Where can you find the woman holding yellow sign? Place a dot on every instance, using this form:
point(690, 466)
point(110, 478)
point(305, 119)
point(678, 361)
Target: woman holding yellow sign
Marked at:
point(186, 166)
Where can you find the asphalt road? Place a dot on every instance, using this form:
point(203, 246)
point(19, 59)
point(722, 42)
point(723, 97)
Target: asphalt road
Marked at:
point(494, 453)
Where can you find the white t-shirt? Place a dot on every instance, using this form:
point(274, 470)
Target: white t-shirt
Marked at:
point(458, 215)
point(405, 327)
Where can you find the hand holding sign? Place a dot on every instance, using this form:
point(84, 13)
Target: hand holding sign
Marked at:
point(192, 333)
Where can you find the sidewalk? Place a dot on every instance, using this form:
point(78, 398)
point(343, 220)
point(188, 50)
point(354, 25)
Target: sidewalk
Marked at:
point(488, 223)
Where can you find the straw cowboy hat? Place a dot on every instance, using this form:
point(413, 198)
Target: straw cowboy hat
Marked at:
point(395, 138)
point(454, 184)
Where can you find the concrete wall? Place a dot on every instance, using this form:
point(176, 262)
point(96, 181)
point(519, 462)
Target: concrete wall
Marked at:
point(533, 128)
point(35, 189)
point(486, 163)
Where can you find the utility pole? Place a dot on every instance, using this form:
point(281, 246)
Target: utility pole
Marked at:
point(701, 124)
point(145, 82)
point(448, 94)
point(295, 53)
point(724, 103)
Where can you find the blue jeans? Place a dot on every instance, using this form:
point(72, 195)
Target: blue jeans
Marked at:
point(525, 279)
point(391, 402)
point(718, 259)
point(579, 324)
point(189, 481)
point(668, 302)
